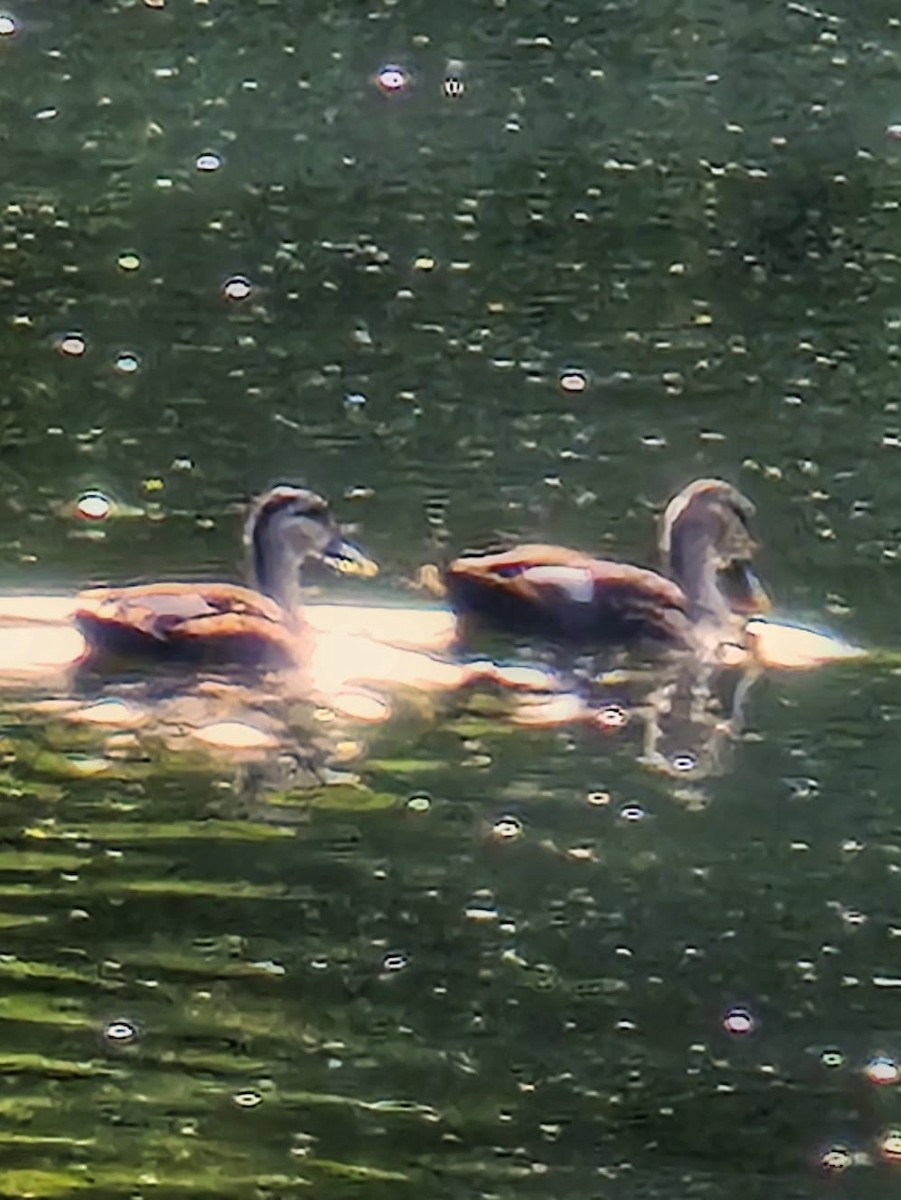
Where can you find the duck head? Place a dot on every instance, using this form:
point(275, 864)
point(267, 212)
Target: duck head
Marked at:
point(289, 525)
point(707, 543)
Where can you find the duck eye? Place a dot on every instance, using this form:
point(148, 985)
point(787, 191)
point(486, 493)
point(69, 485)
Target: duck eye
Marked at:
point(306, 512)
point(511, 571)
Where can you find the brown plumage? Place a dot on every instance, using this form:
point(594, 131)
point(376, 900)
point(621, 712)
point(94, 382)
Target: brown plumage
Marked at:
point(566, 595)
point(225, 622)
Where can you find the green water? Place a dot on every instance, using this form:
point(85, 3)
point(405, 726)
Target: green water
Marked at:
point(501, 963)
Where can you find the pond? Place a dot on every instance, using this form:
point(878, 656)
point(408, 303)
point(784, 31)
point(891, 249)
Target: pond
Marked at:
point(480, 273)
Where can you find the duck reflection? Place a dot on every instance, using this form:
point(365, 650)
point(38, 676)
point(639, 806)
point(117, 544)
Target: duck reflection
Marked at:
point(681, 722)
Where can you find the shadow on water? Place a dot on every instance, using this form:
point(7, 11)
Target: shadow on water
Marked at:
point(631, 245)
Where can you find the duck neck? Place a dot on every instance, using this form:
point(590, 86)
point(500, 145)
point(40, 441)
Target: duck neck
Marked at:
point(693, 563)
point(275, 572)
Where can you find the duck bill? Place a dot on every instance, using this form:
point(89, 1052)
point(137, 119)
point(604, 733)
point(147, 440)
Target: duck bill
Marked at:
point(744, 589)
point(348, 559)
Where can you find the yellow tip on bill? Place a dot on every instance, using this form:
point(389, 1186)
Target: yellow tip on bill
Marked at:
point(791, 647)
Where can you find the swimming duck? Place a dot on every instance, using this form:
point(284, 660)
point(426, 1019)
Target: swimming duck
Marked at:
point(568, 596)
point(224, 622)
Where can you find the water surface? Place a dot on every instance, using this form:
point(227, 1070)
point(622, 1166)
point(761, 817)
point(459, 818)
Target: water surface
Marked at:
point(512, 961)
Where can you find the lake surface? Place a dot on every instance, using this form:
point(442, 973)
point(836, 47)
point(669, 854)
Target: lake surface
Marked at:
point(478, 272)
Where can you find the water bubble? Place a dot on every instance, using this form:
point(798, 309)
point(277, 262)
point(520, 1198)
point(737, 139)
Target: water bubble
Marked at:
point(126, 364)
point(739, 1021)
point(396, 961)
point(128, 261)
point(802, 787)
point(832, 1059)
point(478, 910)
point(611, 716)
point(72, 344)
point(8, 25)
point(632, 812)
point(208, 161)
point(247, 1099)
point(120, 1032)
point(573, 380)
point(93, 506)
point(392, 79)
point(419, 804)
point(836, 1159)
point(237, 288)
point(599, 799)
point(853, 918)
point(684, 761)
point(882, 1070)
point(355, 400)
point(507, 829)
point(453, 87)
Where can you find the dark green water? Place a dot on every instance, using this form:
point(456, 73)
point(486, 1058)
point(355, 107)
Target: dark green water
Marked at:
point(694, 204)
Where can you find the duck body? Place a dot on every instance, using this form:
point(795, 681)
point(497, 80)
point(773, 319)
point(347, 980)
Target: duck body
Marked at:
point(568, 596)
point(198, 623)
point(226, 623)
point(564, 595)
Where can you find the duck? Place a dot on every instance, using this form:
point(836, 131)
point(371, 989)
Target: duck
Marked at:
point(706, 592)
point(222, 623)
